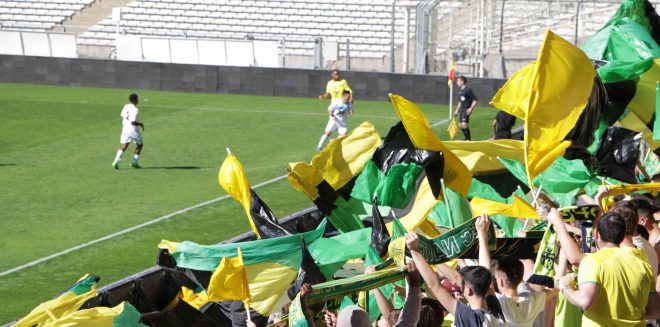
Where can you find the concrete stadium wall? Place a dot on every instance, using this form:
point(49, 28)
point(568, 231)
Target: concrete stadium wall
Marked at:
point(226, 79)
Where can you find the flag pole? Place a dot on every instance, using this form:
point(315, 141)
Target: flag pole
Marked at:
point(451, 99)
point(534, 203)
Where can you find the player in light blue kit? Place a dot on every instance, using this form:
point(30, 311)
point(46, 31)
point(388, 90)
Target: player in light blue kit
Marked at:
point(339, 113)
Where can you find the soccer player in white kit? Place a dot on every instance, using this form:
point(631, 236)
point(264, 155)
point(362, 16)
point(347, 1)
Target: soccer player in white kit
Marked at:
point(335, 90)
point(129, 120)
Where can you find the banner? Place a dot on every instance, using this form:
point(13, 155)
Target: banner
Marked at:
point(445, 247)
point(585, 212)
point(337, 289)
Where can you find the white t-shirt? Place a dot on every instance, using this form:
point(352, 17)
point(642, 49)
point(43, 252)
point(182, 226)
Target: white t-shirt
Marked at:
point(643, 244)
point(128, 115)
point(530, 304)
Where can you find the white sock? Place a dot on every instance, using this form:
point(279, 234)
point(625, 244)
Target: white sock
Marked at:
point(136, 157)
point(118, 156)
point(323, 138)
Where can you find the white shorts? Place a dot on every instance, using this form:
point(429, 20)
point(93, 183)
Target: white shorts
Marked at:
point(337, 124)
point(332, 103)
point(131, 135)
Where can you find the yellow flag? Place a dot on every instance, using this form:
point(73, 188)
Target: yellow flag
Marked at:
point(343, 159)
point(652, 188)
point(456, 175)
point(452, 130)
point(549, 94)
point(518, 209)
point(480, 157)
point(233, 180)
point(229, 281)
point(643, 104)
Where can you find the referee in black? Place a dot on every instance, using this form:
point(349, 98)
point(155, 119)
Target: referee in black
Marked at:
point(467, 101)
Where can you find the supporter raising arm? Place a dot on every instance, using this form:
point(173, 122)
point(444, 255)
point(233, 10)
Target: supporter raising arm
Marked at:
point(483, 309)
point(568, 245)
point(430, 277)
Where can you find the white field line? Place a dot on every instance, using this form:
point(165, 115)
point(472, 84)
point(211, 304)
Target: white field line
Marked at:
point(439, 123)
point(128, 230)
point(204, 108)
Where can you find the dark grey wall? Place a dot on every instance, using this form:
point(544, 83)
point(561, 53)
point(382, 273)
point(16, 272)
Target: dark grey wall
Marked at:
point(226, 79)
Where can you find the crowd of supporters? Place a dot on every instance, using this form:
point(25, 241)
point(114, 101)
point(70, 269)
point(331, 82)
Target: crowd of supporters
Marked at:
point(611, 283)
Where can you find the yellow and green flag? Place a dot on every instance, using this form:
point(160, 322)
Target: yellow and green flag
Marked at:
point(124, 315)
point(229, 281)
point(549, 95)
point(270, 265)
point(69, 301)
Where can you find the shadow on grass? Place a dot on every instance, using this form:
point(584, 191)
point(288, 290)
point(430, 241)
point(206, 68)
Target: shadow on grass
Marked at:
point(177, 167)
point(7, 164)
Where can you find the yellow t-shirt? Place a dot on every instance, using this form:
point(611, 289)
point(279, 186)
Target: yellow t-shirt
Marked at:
point(336, 88)
point(624, 284)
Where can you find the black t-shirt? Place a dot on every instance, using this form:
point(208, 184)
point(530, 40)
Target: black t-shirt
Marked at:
point(504, 122)
point(468, 317)
point(466, 96)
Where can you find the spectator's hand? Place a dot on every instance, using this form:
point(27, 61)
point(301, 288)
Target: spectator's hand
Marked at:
point(370, 269)
point(602, 192)
point(305, 290)
point(412, 241)
point(554, 217)
point(482, 224)
point(567, 281)
point(330, 317)
point(542, 211)
point(413, 278)
point(249, 323)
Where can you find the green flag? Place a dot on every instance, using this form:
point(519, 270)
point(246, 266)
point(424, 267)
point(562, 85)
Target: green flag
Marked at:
point(395, 188)
point(296, 314)
point(454, 211)
point(372, 259)
point(562, 181)
point(332, 253)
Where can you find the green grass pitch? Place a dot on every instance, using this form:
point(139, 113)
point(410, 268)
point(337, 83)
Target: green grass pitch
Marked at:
point(59, 191)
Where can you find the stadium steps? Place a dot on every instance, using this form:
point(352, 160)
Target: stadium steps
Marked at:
point(90, 16)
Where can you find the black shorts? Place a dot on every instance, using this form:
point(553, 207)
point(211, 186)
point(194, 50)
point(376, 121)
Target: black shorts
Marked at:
point(463, 117)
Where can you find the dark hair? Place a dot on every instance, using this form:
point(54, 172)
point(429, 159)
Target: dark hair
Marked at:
point(335, 71)
point(628, 211)
point(431, 314)
point(643, 232)
point(644, 207)
point(611, 227)
point(462, 78)
point(133, 98)
point(346, 92)
point(512, 268)
point(478, 277)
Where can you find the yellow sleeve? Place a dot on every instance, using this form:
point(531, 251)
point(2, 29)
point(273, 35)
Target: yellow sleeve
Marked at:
point(588, 271)
point(346, 87)
point(328, 89)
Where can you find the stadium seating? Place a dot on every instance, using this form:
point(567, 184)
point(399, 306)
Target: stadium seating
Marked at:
point(366, 23)
point(297, 23)
point(38, 15)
